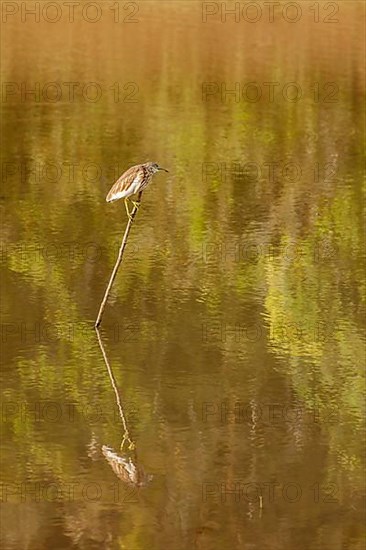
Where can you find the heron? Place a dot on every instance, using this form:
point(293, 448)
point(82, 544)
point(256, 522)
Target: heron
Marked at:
point(133, 181)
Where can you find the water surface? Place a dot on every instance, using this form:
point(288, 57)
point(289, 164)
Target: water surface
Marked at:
point(232, 347)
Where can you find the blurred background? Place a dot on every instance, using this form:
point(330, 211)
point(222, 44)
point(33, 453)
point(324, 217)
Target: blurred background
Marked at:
point(234, 334)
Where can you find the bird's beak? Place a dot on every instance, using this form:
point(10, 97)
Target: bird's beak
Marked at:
point(165, 170)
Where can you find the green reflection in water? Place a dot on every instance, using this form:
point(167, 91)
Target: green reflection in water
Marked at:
point(240, 286)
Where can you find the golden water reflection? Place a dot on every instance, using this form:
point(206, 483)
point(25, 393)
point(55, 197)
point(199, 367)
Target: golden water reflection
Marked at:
point(236, 324)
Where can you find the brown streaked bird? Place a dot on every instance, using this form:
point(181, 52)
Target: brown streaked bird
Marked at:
point(126, 469)
point(133, 181)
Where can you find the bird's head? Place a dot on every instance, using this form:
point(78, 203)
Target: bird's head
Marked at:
point(154, 167)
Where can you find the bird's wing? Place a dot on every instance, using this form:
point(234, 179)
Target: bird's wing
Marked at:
point(126, 183)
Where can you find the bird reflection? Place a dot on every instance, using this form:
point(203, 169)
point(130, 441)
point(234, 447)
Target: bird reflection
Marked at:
point(124, 464)
point(126, 468)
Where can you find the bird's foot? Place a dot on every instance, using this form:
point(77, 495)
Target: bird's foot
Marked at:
point(136, 204)
point(129, 215)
